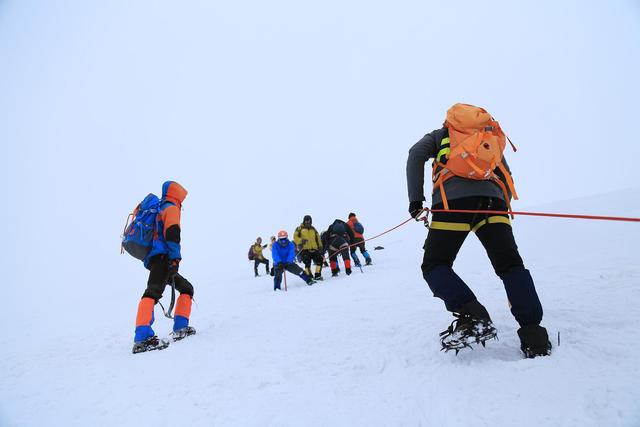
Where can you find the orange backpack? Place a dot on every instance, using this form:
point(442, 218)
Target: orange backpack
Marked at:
point(473, 150)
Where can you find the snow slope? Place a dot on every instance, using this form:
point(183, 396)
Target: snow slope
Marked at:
point(358, 350)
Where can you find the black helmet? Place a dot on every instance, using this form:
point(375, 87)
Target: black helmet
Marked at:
point(307, 218)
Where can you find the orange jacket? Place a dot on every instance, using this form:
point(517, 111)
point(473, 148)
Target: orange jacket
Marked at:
point(352, 224)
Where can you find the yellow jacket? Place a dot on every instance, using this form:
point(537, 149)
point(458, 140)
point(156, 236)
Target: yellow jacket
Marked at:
point(310, 235)
point(257, 251)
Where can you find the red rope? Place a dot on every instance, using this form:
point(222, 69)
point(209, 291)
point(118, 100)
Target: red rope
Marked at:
point(545, 214)
point(555, 215)
point(371, 238)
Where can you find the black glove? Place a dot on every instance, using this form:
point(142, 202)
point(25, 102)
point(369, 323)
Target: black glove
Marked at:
point(303, 242)
point(415, 208)
point(173, 268)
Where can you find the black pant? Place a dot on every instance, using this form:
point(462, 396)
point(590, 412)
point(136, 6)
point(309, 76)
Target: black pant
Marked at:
point(358, 243)
point(291, 267)
point(159, 279)
point(308, 255)
point(339, 245)
point(446, 236)
point(257, 262)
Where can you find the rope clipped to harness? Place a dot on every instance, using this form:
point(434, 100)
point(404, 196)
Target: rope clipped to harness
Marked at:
point(543, 214)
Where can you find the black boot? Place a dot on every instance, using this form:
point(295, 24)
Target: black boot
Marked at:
point(475, 310)
point(317, 276)
point(534, 341)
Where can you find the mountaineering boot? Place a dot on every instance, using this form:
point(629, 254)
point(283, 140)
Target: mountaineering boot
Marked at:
point(348, 271)
point(256, 275)
point(472, 325)
point(356, 260)
point(367, 258)
point(183, 333)
point(534, 341)
point(335, 272)
point(151, 343)
point(474, 309)
point(308, 280)
point(317, 277)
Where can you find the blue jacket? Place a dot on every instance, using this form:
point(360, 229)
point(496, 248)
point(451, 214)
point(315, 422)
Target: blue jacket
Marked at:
point(283, 254)
point(166, 239)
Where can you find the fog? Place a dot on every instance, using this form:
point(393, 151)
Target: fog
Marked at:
point(269, 111)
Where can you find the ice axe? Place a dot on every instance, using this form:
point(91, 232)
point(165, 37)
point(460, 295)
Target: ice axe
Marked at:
point(167, 313)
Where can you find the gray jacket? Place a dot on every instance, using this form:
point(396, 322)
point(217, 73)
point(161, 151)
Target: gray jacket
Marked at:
point(456, 187)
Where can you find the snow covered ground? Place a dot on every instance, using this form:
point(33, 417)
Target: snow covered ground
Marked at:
point(358, 350)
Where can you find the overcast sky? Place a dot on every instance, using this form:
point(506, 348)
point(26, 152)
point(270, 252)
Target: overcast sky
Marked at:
point(266, 111)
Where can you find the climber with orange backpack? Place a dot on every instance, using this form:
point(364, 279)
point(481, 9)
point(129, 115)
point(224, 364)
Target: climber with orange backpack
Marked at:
point(470, 173)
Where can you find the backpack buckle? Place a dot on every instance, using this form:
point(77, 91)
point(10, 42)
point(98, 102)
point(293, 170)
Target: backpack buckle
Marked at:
point(488, 128)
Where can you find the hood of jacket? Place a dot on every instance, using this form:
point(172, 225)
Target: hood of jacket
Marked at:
point(174, 192)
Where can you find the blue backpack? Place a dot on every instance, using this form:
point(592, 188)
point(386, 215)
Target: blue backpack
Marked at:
point(138, 235)
point(358, 228)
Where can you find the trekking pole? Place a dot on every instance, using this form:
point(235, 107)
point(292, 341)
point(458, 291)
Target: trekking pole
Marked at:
point(167, 313)
point(359, 265)
point(284, 274)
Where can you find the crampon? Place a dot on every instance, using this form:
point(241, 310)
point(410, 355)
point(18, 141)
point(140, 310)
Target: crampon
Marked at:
point(183, 333)
point(464, 331)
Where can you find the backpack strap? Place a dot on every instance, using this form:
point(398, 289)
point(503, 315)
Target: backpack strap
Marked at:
point(507, 177)
point(126, 225)
point(473, 165)
point(505, 192)
point(442, 177)
point(445, 149)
